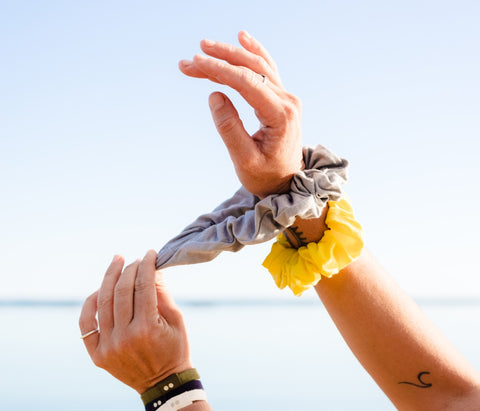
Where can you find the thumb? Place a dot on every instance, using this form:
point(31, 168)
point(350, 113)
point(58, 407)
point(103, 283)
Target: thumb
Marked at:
point(230, 127)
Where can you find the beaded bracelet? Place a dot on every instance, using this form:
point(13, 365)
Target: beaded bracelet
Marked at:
point(299, 269)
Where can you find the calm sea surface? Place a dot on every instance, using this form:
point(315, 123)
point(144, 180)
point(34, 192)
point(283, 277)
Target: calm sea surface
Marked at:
point(251, 357)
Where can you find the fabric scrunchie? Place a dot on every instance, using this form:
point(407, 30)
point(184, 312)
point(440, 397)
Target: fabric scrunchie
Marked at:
point(245, 219)
point(299, 269)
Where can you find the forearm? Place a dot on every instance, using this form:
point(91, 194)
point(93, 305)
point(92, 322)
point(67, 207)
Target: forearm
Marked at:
point(393, 339)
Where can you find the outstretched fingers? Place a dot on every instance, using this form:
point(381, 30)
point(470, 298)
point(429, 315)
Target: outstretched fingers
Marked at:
point(249, 84)
point(254, 46)
point(238, 56)
point(189, 68)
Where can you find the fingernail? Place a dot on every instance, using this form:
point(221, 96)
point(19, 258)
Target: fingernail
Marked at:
point(247, 35)
point(116, 257)
point(216, 101)
point(186, 63)
point(208, 43)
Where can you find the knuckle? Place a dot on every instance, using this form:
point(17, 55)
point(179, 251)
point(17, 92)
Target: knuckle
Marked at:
point(99, 360)
point(230, 48)
point(260, 63)
point(250, 77)
point(140, 333)
point(119, 346)
point(226, 124)
point(122, 290)
point(176, 316)
point(291, 109)
point(294, 100)
point(104, 301)
point(141, 285)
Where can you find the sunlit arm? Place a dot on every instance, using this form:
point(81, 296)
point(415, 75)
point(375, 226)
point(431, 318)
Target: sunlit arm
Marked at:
point(400, 347)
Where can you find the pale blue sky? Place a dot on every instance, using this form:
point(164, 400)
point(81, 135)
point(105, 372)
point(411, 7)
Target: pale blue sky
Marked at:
point(105, 147)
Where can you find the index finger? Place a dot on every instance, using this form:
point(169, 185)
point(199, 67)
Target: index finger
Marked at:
point(145, 296)
point(248, 83)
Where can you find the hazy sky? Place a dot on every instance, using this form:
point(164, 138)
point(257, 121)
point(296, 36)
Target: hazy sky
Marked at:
point(105, 147)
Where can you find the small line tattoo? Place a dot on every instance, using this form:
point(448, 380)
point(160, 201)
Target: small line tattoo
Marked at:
point(298, 236)
point(422, 384)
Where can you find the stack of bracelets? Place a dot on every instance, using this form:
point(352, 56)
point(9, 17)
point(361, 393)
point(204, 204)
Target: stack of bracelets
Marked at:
point(175, 392)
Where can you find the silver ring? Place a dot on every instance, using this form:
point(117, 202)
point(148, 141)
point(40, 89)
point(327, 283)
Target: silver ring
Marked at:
point(264, 78)
point(83, 336)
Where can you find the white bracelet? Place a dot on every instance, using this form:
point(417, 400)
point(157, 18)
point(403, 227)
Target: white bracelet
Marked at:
point(183, 399)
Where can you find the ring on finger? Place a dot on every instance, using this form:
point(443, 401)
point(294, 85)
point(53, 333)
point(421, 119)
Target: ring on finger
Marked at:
point(83, 336)
point(264, 78)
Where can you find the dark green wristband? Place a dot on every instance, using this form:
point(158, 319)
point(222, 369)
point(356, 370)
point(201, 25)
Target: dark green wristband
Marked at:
point(170, 383)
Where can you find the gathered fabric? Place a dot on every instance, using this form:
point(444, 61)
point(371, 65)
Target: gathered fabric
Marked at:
point(299, 269)
point(246, 219)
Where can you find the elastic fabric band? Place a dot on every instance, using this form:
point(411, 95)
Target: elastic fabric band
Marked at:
point(163, 399)
point(245, 219)
point(299, 269)
point(183, 400)
point(168, 384)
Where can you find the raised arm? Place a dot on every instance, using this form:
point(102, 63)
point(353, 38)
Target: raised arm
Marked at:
point(393, 339)
point(400, 347)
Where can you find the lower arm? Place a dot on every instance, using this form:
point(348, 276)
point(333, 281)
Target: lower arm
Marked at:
point(394, 340)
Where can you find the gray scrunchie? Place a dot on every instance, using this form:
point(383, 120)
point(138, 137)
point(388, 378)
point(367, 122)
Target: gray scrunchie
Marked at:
point(245, 219)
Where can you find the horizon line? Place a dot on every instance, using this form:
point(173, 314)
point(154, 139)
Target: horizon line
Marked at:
point(238, 301)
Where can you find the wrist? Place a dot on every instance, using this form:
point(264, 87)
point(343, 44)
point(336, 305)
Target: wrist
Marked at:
point(141, 389)
point(175, 392)
point(304, 231)
point(301, 266)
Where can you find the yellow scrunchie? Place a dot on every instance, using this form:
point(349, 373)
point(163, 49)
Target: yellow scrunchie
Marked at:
point(299, 269)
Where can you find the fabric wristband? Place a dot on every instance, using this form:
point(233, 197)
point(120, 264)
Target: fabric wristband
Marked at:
point(299, 269)
point(173, 393)
point(172, 382)
point(245, 219)
point(183, 400)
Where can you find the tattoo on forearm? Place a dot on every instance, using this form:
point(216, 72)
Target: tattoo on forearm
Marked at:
point(295, 237)
point(422, 384)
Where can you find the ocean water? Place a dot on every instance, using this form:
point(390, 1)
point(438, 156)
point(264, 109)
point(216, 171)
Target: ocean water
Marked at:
point(282, 357)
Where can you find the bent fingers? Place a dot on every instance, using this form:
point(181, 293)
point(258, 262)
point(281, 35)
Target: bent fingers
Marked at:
point(87, 323)
point(249, 84)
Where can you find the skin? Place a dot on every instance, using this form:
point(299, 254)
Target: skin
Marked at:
point(139, 322)
point(392, 338)
point(266, 161)
point(398, 345)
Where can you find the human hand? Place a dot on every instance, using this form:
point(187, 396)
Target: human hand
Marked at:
point(266, 161)
point(142, 337)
